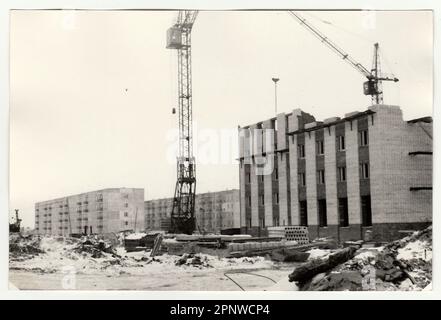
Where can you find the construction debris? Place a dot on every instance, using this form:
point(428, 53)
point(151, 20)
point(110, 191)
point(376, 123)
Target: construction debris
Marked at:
point(347, 280)
point(140, 241)
point(291, 233)
point(262, 250)
point(404, 264)
point(24, 246)
point(307, 271)
point(156, 245)
point(289, 255)
point(96, 248)
point(90, 255)
point(193, 260)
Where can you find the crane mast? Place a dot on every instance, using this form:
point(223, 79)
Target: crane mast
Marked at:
point(373, 85)
point(179, 38)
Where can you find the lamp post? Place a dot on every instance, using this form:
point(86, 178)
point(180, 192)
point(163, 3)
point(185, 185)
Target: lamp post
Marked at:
point(275, 80)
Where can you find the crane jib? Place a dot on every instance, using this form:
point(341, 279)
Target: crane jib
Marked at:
point(371, 87)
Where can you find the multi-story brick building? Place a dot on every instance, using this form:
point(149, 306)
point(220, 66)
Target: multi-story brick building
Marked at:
point(96, 212)
point(214, 212)
point(369, 172)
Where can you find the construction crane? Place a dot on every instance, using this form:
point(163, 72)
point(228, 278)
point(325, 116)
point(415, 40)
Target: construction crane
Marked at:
point(179, 38)
point(15, 227)
point(373, 85)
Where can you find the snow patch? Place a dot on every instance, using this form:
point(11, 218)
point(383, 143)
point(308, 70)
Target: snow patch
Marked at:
point(60, 254)
point(136, 236)
point(283, 285)
point(366, 255)
point(318, 253)
point(416, 250)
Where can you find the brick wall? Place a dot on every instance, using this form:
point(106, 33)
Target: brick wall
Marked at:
point(394, 171)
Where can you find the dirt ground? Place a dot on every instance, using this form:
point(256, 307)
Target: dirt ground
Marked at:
point(202, 281)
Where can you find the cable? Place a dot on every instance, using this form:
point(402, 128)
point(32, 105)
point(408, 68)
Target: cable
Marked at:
point(249, 273)
point(386, 61)
point(370, 41)
point(259, 275)
point(225, 274)
point(381, 53)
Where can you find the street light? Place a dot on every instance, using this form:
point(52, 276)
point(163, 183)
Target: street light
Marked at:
point(275, 80)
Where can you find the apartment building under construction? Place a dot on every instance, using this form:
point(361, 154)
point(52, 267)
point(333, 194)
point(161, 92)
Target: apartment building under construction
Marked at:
point(365, 176)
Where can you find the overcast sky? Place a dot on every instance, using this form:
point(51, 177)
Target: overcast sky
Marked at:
point(92, 91)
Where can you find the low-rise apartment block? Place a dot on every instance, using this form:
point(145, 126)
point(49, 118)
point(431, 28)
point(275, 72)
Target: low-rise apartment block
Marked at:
point(215, 212)
point(95, 212)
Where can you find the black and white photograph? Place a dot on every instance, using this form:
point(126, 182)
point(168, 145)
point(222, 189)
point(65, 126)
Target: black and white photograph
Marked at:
point(192, 149)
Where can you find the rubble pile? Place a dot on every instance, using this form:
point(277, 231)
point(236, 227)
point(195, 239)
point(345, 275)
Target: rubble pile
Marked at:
point(405, 264)
point(96, 248)
point(23, 247)
point(307, 271)
point(91, 255)
point(52, 254)
point(195, 260)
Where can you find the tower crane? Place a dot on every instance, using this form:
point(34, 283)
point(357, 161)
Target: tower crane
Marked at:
point(179, 38)
point(373, 85)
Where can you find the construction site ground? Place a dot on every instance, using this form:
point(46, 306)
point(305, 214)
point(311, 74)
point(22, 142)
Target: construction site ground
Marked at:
point(89, 263)
point(214, 280)
point(54, 264)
